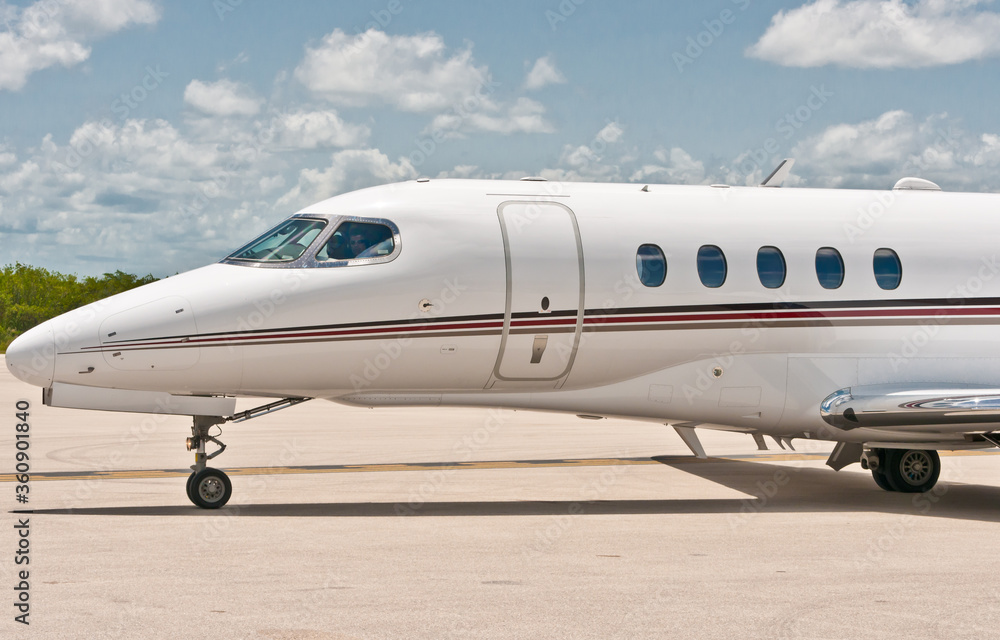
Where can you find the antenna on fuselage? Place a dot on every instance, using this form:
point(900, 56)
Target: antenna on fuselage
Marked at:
point(779, 174)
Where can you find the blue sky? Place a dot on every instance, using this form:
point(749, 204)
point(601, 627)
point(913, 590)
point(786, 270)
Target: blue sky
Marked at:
point(156, 137)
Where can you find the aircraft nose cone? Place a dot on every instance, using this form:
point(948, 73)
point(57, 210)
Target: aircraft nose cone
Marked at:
point(32, 356)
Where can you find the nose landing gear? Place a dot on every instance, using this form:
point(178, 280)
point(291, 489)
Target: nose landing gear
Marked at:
point(210, 488)
point(207, 487)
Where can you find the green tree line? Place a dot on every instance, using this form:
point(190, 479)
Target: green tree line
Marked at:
point(30, 295)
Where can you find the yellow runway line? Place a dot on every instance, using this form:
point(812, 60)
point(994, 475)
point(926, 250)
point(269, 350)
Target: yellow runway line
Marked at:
point(437, 466)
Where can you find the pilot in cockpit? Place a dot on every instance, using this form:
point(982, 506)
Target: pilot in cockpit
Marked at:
point(337, 248)
point(371, 241)
point(358, 240)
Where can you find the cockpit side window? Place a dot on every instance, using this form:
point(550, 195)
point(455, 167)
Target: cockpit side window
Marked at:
point(284, 243)
point(357, 240)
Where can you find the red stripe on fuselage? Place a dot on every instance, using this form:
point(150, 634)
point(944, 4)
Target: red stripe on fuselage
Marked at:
point(668, 318)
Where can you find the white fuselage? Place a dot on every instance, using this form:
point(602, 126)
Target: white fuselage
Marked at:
point(527, 295)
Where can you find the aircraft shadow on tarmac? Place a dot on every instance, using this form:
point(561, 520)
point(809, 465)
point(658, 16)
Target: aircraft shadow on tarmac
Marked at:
point(771, 488)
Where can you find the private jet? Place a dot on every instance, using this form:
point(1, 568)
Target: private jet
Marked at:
point(862, 318)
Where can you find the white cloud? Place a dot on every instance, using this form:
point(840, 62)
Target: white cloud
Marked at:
point(462, 171)
point(880, 34)
point(411, 73)
point(271, 183)
point(876, 153)
point(7, 156)
point(139, 192)
point(319, 129)
point(674, 166)
point(871, 154)
point(543, 73)
point(222, 98)
point(612, 132)
point(348, 170)
point(419, 74)
point(989, 153)
point(47, 33)
point(601, 160)
point(241, 58)
point(523, 116)
point(146, 193)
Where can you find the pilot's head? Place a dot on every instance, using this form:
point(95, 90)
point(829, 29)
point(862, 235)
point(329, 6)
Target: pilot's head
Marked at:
point(358, 242)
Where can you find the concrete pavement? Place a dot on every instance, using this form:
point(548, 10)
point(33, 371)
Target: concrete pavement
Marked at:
point(344, 525)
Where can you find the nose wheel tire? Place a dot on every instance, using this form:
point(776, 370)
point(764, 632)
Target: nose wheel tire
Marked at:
point(911, 471)
point(190, 481)
point(209, 488)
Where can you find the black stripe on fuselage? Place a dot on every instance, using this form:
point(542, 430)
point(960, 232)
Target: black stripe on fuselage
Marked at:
point(594, 314)
point(800, 306)
point(323, 327)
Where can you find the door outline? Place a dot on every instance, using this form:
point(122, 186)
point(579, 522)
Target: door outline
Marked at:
point(509, 295)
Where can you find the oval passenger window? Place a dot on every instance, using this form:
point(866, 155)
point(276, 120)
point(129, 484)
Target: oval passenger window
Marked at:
point(829, 268)
point(888, 269)
point(711, 266)
point(651, 265)
point(770, 267)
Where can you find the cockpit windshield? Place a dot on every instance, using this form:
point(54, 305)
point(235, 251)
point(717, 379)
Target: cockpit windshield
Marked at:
point(284, 243)
point(317, 240)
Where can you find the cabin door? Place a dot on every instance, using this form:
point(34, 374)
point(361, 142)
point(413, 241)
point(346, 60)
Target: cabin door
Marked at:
point(544, 314)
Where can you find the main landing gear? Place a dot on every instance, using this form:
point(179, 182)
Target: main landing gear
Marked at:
point(903, 470)
point(210, 488)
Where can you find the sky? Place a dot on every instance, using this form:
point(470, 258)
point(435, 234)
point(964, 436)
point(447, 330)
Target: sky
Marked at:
point(158, 137)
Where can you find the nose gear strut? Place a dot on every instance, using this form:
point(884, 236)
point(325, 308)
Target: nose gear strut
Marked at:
point(207, 487)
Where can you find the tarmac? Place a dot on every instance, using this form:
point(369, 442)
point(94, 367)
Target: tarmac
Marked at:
point(459, 523)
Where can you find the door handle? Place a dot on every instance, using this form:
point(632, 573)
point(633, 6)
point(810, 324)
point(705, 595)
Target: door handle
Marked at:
point(538, 348)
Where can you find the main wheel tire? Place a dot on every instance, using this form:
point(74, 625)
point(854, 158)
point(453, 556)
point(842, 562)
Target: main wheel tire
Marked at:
point(190, 483)
point(211, 489)
point(878, 473)
point(912, 471)
point(881, 480)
